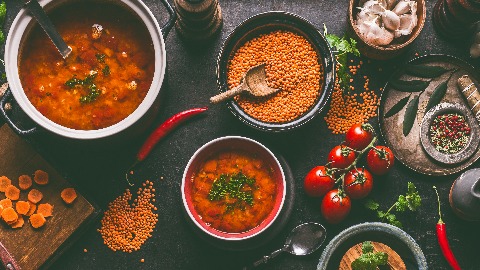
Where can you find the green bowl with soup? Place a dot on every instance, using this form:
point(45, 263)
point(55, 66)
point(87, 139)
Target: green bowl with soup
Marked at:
point(111, 80)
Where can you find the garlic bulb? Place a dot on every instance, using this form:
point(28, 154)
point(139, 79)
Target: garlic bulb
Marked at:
point(374, 34)
point(407, 23)
point(390, 4)
point(373, 6)
point(391, 21)
point(402, 7)
point(365, 16)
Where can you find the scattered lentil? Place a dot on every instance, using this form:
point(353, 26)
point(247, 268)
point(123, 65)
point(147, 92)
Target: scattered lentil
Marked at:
point(40, 177)
point(350, 107)
point(127, 226)
point(4, 183)
point(24, 182)
point(292, 65)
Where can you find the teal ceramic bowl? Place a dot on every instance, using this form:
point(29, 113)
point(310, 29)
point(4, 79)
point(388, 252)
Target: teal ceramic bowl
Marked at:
point(389, 235)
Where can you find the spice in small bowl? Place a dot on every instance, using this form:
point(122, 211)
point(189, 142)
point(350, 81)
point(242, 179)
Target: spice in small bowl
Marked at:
point(449, 133)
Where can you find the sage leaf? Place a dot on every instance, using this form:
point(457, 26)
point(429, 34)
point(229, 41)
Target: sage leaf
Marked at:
point(410, 115)
point(437, 95)
point(425, 71)
point(397, 107)
point(409, 86)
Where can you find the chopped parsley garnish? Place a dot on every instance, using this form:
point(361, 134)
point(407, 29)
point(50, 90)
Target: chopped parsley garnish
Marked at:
point(237, 186)
point(369, 260)
point(93, 91)
point(106, 70)
point(100, 57)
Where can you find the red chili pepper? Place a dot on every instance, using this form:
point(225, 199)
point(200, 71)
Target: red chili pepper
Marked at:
point(443, 240)
point(161, 131)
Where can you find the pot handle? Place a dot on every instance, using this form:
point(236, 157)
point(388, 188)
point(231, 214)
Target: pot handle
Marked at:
point(171, 21)
point(8, 96)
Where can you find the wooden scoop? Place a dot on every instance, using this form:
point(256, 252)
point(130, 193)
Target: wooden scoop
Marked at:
point(254, 82)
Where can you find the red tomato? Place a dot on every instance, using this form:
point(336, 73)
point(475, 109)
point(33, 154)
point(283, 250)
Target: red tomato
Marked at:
point(359, 136)
point(358, 183)
point(318, 182)
point(335, 206)
point(380, 160)
point(341, 157)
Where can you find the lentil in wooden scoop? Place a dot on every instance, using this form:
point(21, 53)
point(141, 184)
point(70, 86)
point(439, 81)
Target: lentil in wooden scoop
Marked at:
point(254, 82)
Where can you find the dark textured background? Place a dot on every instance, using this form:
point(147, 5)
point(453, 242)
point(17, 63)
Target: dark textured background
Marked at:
point(99, 171)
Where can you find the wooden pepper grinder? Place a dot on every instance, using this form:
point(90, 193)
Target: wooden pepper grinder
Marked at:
point(198, 20)
point(470, 92)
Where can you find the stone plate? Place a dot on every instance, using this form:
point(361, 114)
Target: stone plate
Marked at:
point(408, 150)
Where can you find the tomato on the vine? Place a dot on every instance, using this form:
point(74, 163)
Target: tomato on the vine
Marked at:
point(380, 160)
point(318, 182)
point(358, 183)
point(335, 206)
point(359, 136)
point(341, 157)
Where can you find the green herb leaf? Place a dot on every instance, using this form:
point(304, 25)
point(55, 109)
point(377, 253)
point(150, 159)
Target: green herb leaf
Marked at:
point(410, 115)
point(369, 260)
point(401, 204)
point(409, 86)
point(397, 107)
point(100, 57)
point(425, 71)
point(106, 70)
point(233, 187)
point(413, 197)
point(437, 95)
point(372, 205)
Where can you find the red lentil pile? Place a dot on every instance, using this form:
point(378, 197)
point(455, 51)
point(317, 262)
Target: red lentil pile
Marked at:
point(127, 226)
point(349, 107)
point(291, 65)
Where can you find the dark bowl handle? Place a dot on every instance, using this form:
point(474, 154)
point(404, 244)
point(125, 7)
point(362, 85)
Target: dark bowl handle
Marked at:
point(171, 21)
point(8, 96)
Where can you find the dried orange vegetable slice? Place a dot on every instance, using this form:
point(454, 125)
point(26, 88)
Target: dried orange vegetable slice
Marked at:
point(9, 215)
point(22, 207)
point(4, 183)
point(5, 203)
point(32, 209)
point(24, 182)
point(68, 195)
point(35, 196)
point(37, 220)
point(19, 223)
point(40, 177)
point(12, 192)
point(45, 209)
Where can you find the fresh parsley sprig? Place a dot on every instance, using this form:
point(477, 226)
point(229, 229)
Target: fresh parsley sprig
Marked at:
point(410, 201)
point(369, 260)
point(343, 47)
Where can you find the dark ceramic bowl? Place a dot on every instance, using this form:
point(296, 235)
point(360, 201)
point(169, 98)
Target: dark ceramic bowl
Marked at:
point(389, 235)
point(474, 139)
point(265, 23)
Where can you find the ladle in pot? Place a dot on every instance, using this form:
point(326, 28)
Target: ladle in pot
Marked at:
point(39, 14)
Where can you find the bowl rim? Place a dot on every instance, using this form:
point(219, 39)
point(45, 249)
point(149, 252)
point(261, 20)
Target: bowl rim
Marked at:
point(328, 65)
point(12, 55)
point(360, 228)
point(237, 236)
point(389, 47)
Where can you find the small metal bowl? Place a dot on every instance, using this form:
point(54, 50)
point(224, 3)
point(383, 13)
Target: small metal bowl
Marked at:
point(472, 143)
point(264, 23)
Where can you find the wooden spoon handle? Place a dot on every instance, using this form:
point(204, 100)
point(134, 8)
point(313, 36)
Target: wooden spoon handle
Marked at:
point(7, 259)
point(228, 94)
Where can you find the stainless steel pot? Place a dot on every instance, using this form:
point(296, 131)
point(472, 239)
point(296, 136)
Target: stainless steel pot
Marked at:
point(19, 29)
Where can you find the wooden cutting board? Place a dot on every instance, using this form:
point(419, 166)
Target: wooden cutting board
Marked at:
point(36, 249)
point(395, 262)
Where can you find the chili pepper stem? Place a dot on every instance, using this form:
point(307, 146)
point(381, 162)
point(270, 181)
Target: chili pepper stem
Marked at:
point(440, 221)
point(130, 170)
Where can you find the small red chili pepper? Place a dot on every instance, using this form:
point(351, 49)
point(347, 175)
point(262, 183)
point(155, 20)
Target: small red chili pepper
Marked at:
point(160, 132)
point(443, 240)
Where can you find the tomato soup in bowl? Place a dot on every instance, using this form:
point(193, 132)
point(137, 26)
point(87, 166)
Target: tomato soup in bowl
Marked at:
point(233, 188)
point(108, 87)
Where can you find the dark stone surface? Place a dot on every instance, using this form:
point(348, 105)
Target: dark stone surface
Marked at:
point(99, 171)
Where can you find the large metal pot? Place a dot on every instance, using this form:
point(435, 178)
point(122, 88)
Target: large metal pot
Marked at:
point(147, 109)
